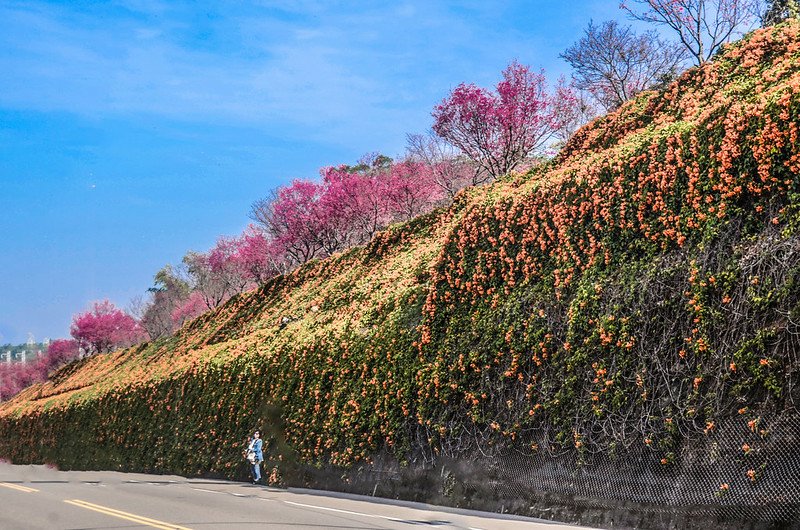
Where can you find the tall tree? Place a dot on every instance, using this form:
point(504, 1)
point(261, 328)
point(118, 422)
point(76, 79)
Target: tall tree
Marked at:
point(61, 351)
point(613, 63)
point(702, 26)
point(292, 217)
point(170, 289)
point(357, 199)
point(584, 109)
point(450, 170)
point(412, 190)
point(17, 376)
point(104, 328)
point(212, 286)
point(225, 260)
point(193, 306)
point(498, 130)
point(260, 255)
point(308, 220)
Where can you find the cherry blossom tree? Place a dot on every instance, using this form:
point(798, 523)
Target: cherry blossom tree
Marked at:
point(702, 26)
point(17, 376)
point(337, 218)
point(231, 267)
point(192, 307)
point(105, 328)
point(226, 264)
point(450, 170)
point(498, 130)
point(308, 220)
point(259, 255)
point(412, 189)
point(356, 201)
point(212, 286)
point(293, 218)
point(584, 109)
point(241, 262)
point(61, 351)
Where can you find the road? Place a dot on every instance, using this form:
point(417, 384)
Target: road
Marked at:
point(37, 497)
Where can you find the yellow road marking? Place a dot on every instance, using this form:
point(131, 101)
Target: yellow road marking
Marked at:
point(26, 489)
point(125, 515)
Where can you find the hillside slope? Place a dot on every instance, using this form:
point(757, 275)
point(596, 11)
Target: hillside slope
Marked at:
point(619, 326)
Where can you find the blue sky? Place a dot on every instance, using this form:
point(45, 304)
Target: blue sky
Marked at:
point(134, 131)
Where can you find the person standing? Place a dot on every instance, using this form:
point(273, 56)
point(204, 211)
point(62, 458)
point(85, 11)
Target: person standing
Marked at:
point(255, 456)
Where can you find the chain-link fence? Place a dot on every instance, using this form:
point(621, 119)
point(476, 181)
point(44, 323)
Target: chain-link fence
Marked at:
point(743, 474)
point(741, 471)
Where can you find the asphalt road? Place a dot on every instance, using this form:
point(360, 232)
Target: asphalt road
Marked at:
point(37, 497)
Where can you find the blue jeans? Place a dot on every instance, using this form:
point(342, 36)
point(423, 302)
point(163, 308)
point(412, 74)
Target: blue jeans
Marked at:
point(255, 469)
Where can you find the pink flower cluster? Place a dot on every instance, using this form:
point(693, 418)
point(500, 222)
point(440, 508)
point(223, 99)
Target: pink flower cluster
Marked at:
point(104, 328)
point(16, 376)
point(308, 220)
point(499, 130)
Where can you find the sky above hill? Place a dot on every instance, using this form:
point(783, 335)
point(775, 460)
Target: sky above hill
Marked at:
point(134, 131)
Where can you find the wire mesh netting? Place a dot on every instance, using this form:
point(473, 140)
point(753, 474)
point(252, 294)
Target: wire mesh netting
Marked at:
point(744, 473)
point(740, 471)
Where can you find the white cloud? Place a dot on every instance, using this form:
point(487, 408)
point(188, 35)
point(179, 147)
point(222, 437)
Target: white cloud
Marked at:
point(130, 69)
point(290, 68)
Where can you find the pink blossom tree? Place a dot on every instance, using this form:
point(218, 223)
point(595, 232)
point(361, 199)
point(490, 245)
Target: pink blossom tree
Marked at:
point(702, 26)
point(337, 216)
point(104, 328)
point(412, 189)
point(233, 265)
point(308, 220)
point(355, 203)
point(192, 307)
point(261, 256)
point(498, 130)
point(204, 280)
point(581, 111)
point(17, 376)
point(226, 264)
point(61, 351)
point(293, 219)
point(450, 170)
